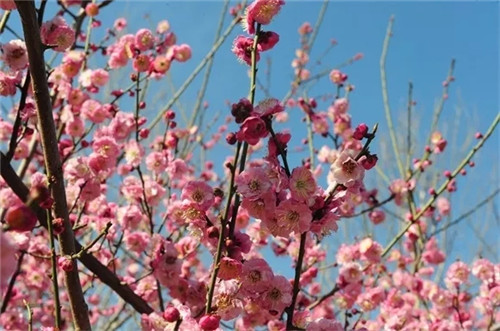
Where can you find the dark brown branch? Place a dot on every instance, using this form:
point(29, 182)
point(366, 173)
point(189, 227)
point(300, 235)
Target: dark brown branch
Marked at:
point(53, 166)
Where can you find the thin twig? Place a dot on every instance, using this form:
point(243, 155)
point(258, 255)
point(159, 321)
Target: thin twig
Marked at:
point(385, 97)
point(443, 187)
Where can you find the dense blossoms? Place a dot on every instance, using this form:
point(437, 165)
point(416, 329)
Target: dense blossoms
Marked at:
point(170, 234)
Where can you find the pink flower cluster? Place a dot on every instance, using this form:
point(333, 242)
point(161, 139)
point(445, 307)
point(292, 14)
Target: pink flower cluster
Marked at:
point(171, 211)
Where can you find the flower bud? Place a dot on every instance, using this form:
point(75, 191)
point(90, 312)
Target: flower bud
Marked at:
point(20, 218)
point(209, 322)
point(171, 314)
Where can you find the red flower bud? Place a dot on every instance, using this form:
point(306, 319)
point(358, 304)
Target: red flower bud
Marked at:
point(20, 218)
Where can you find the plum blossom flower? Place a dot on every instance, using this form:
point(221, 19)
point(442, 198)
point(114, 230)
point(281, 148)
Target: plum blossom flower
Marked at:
point(229, 268)
point(144, 39)
point(57, 33)
point(256, 276)
point(338, 77)
point(262, 207)
point(14, 54)
point(346, 171)
point(294, 216)
point(252, 130)
point(457, 274)
point(350, 273)
point(94, 111)
point(182, 53)
point(267, 40)
point(242, 48)
point(302, 184)
point(268, 107)
point(443, 206)
point(432, 254)
point(262, 12)
point(199, 193)
point(253, 183)
point(277, 296)
point(229, 306)
point(137, 241)
point(483, 269)
point(370, 250)
point(8, 83)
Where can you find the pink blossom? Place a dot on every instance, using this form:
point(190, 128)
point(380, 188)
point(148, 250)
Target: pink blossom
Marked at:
point(107, 147)
point(432, 254)
point(305, 28)
point(268, 107)
point(58, 34)
point(129, 216)
point(370, 250)
point(277, 296)
point(182, 53)
point(166, 265)
point(199, 193)
point(443, 206)
point(320, 123)
point(137, 241)
point(229, 268)
point(65, 263)
point(376, 216)
point(99, 77)
point(337, 77)
point(242, 48)
point(399, 188)
point(120, 24)
point(162, 27)
point(457, 274)
point(302, 184)
point(483, 269)
point(346, 254)
point(252, 130)
point(262, 12)
point(8, 84)
point(262, 207)
point(133, 153)
point(14, 54)
point(281, 140)
point(144, 40)
point(267, 40)
point(253, 183)
point(156, 162)
point(256, 276)
point(94, 111)
point(122, 125)
point(294, 216)
point(161, 64)
point(350, 273)
point(346, 171)
point(141, 63)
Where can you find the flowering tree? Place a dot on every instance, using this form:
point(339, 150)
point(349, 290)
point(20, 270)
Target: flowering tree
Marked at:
point(111, 216)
